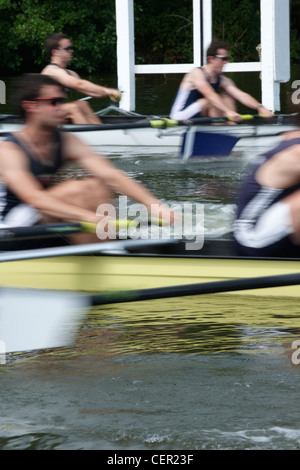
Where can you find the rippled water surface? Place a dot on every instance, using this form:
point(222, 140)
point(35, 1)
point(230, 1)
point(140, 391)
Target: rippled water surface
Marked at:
point(193, 373)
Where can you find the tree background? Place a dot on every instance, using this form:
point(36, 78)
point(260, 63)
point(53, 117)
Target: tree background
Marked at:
point(163, 31)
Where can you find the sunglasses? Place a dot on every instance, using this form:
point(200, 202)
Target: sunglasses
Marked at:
point(223, 57)
point(53, 101)
point(68, 48)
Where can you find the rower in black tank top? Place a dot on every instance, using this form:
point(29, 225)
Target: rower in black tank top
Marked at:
point(43, 172)
point(186, 98)
point(263, 224)
point(9, 201)
point(66, 89)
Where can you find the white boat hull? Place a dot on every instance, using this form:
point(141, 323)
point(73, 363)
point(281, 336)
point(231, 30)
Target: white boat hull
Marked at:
point(161, 141)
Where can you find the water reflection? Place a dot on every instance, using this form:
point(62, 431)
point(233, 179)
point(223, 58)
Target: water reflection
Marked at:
point(192, 325)
point(200, 325)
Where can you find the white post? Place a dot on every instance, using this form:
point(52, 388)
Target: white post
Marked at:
point(197, 33)
point(125, 52)
point(275, 50)
point(202, 29)
point(206, 26)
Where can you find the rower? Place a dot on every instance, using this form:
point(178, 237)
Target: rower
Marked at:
point(198, 94)
point(31, 158)
point(60, 50)
point(268, 207)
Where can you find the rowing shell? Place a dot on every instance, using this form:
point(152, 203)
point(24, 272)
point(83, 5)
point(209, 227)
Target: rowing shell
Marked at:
point(140, 264)
point(119, 134)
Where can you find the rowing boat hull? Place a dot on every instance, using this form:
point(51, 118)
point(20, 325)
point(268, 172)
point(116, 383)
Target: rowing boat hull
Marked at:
point(104, 273)
point(161, 141)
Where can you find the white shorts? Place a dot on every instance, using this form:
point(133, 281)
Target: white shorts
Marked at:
point(273, 225)
point(21, 215)
point(177, 111)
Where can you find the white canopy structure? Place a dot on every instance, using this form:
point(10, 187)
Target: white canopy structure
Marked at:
point(274, 66)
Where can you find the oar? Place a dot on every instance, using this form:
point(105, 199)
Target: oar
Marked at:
point(140, 124)
point(144, 122)
point(114, 98)
point(57, 230)
point(206, 144)
point(196, 289)
point(196, 143)
point(34, 319)
point(160, 123)
point(45, 231)
point(116, 246)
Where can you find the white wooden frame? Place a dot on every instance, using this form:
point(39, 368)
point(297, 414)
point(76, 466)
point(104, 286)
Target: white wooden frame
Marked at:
point(274, 66)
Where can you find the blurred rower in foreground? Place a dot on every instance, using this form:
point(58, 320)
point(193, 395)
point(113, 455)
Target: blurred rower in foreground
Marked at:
point(268, 209)
point(198, 92)
point(30, 158)
point(60, 50)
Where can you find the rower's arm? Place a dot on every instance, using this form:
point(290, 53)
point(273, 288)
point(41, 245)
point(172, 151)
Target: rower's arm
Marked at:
point(82, 86)
point(116, 180)
point(16, 175)
point(244, 98)
point(199, 81)
point(283, 169)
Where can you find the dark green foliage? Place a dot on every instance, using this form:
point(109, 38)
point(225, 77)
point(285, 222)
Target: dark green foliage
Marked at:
point(166, 29)
point(24, 26)
point(238, 23)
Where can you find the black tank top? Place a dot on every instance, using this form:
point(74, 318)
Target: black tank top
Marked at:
point(195, 95)
point(66, 89)
point(43, 172)
point(264, 196)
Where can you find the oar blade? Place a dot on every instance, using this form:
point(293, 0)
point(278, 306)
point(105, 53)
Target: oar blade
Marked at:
point(206, 144)
point(33, 319)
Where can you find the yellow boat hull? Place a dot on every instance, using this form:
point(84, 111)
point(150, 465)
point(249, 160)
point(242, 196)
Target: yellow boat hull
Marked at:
point(107, 273)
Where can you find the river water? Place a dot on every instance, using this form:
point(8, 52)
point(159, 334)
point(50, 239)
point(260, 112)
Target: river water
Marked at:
point(201, 373)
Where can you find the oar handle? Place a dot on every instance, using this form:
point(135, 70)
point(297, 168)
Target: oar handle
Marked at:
point(57, 230)
point(245, 117)
point(36, 231)
point(221, 119)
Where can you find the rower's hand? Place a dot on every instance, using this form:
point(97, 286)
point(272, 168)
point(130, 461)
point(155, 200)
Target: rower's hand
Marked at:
point(115, 95)
point(264, 112)
point(233, 117)
point(164, 216)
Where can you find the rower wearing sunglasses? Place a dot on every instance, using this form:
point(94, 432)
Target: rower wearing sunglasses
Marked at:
point(199, 92)
point(60, 50)
point(31, 193)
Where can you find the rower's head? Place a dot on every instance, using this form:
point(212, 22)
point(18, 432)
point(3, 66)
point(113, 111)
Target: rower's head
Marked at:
point(59, 47)
point(40, 97)
point(217, 55)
